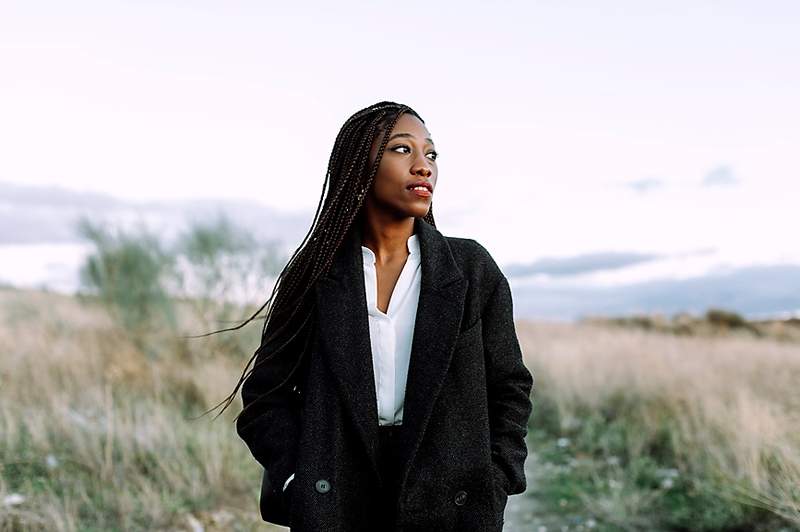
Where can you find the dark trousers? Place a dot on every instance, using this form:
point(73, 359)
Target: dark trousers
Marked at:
point(390, 463)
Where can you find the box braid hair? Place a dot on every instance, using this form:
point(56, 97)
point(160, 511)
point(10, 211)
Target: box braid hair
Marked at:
point(347, 181)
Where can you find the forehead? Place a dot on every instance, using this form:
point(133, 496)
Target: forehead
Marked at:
point(408, 123)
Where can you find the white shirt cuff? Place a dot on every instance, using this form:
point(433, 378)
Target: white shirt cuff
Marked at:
point(287, 481)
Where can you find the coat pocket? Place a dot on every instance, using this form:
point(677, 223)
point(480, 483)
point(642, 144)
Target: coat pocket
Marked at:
point(471, 335)
point(498, 491)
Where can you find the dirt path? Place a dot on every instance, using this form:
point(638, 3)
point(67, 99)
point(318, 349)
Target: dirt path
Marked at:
point(525, 514)
point(521, 511)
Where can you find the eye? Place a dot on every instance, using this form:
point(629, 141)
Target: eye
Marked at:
point(432, 155)
point(401, 146)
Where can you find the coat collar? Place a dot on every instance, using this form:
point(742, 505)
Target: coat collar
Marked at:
point(344, 329)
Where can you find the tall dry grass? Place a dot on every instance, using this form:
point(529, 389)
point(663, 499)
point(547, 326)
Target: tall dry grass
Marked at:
point(96, 435)
point(724, 412)
point(645, 431)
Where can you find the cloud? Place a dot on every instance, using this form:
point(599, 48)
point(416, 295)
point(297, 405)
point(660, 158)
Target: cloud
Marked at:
point(589, 262)
point(720, 176)
point(645, 185)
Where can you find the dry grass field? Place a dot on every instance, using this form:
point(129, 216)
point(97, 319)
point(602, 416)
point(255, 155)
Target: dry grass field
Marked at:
point(642, 430)
point(96, 435)
point(632, 430)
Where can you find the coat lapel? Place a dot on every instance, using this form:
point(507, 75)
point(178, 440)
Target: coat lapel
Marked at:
point(344, 326)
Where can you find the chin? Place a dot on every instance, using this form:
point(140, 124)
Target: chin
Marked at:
point(420, 213)
point(411, 211)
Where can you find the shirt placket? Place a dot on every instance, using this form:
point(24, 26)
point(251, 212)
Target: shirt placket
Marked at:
point(385, 328)
point(387, 364)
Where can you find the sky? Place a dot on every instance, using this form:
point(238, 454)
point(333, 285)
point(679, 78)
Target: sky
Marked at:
point(563, 127)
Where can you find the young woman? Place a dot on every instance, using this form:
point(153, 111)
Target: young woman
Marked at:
point(389, 391)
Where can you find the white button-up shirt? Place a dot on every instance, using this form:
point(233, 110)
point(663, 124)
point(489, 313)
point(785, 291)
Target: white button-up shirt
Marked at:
point(391, 333)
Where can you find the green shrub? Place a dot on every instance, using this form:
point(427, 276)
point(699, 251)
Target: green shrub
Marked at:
point(222, 263)
point(200, 283)
point(128, 271)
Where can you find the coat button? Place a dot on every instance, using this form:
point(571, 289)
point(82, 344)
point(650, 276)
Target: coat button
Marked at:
point(461, 498)
point(323, 486)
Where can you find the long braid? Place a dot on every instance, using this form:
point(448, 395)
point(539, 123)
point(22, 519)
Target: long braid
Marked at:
point(347, 181)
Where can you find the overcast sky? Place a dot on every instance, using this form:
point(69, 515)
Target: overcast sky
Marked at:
point(563, 127)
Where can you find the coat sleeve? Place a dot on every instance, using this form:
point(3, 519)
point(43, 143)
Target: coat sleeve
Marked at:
point(270, 424)
point(509, 385)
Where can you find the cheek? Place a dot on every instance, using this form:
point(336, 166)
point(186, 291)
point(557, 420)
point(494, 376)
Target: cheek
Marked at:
point(384, 187)
point(390, 174)
point(387, 187)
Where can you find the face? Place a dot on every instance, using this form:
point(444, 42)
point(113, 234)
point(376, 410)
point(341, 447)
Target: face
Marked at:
point(408, 159)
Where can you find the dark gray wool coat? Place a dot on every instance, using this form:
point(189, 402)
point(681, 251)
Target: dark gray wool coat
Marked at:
point(466, 406)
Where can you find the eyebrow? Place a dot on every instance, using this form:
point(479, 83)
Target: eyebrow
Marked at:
point(408, 135)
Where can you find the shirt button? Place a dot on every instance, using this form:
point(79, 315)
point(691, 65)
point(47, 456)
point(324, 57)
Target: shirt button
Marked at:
point(461, 498)
point(323, 486)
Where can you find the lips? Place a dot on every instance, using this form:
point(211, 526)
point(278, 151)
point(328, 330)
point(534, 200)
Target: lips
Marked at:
point(421, 183)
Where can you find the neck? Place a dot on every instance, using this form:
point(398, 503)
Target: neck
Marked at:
point(387, 238)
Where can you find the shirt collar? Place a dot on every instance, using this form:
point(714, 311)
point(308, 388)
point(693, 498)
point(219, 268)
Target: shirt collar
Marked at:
point(412, 244)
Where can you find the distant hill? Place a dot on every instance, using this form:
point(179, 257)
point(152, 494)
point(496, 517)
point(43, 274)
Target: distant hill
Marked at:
point(47, 214)
point(755, 292)
point(714, 323)
point(37, 233)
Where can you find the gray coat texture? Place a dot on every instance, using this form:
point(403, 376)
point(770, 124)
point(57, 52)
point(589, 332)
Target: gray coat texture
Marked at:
point(466, 407)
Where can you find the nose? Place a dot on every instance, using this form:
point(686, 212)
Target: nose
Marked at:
point(421, 168)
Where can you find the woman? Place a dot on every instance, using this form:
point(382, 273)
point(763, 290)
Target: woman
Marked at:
point(388, 392)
